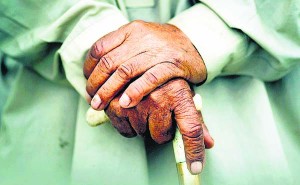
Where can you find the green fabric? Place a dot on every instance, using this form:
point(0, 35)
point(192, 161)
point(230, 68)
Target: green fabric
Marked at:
point(256, 124)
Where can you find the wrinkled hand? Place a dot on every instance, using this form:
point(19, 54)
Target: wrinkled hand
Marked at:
point(139, 56)
point(155, 114)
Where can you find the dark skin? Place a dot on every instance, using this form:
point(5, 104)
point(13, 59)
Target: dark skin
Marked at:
point(154, 115)
point(143, 56)
point(129, 72)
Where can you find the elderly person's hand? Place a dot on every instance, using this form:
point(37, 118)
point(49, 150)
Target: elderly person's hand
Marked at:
point(156, 115)
point(136, 59)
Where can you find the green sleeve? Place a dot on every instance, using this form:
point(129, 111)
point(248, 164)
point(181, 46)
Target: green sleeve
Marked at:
point(259, 39)
point(52, 37)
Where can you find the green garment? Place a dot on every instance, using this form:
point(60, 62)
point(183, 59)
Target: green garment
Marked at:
point(251, 99)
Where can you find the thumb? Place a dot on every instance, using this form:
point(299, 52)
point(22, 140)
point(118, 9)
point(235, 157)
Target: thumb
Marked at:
point(189, 122)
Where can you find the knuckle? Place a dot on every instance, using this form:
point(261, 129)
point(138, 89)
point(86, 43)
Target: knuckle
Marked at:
point(163, 136)
point(177, 68)
point(136, 89)
point(195, 152)
point(115, 107)
point(125, 71)
point(179, 57)
point(137, 23)
point(150, 78)
point(143, 86)
point(182, 102)
point(192, 130)
point(96, 49)
point(195, 148)
point(182, 94)
point(106, 64)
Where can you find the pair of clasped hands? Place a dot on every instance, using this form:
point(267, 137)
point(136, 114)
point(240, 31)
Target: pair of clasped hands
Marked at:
point(140, 75)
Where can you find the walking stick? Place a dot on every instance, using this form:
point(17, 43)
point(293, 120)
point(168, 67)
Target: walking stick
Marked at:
point(95, 118)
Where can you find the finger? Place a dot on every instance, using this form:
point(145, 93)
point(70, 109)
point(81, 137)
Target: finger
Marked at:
point(149, 81)
point(89, 64)
point(189, 123)
point(102, 47)
point(111, 76)
point(160, 125)
point(110, 85)
point(118, 120)
point(123, 126)
point(100, 74)
point(138, 120)
point(106, 67)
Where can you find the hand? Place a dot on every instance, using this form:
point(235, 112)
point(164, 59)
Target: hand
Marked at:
point(155, 114)
point(139, 56)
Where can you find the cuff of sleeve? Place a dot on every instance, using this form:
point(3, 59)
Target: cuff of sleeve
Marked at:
point(214, 40)
point(85, 33)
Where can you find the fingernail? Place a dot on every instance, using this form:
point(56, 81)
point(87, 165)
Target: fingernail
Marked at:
point(96, 101)
point(196, 167)
point(88, 97)
point(124, 100)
